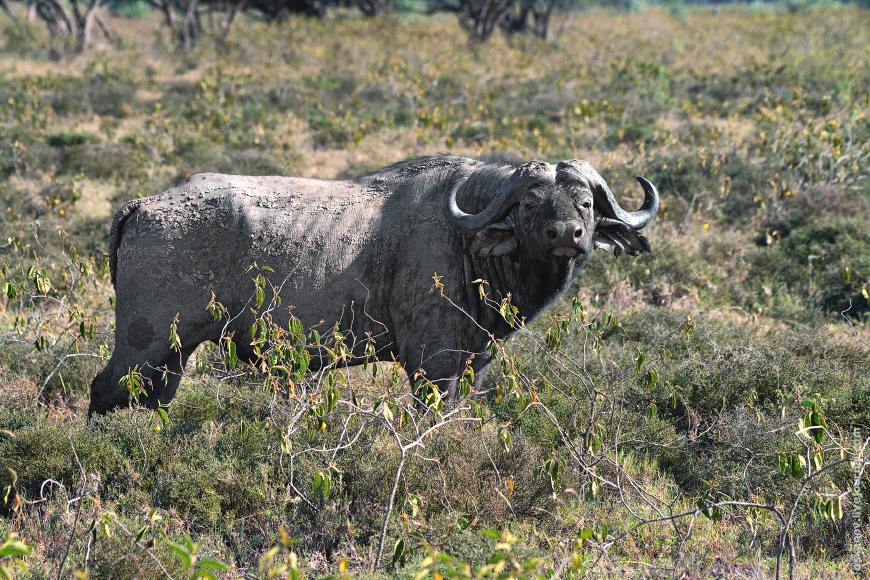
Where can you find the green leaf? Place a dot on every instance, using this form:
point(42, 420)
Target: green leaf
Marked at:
point(182, 553)
point(214, 564)
point(327, 485)
point(652, 378)
point(9, 549)
point(398, 551)
point(233, 357)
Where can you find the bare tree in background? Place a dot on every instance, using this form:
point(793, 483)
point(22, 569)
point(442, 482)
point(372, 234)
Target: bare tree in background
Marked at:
point(75, 21)
point(375, 7)
point(479, 18)
point(531, 16)
point(183, 17)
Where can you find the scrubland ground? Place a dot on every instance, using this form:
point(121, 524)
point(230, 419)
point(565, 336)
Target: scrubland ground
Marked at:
point(645, 427)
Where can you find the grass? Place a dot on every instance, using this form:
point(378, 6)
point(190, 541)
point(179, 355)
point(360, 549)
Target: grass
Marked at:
point(755, 126)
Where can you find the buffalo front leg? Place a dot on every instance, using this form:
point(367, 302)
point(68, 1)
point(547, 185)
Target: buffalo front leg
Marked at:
point(443, 367)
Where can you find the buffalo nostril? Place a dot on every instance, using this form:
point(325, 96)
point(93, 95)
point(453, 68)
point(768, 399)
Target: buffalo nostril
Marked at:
point(578, 233)
point(552, 233)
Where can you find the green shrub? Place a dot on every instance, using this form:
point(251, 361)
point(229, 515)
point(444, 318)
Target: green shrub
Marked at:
point(826, 261)
point(65, 139)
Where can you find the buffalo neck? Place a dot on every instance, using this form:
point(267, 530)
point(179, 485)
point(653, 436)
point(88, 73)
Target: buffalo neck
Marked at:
point(532, 285)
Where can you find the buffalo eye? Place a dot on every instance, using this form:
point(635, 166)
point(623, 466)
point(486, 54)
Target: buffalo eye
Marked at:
point(586, 204)
point(531, 201)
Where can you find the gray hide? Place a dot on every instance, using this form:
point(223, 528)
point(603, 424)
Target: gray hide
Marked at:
point(361, 253)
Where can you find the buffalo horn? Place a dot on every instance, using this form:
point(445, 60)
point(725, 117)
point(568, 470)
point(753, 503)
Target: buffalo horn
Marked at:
point(473, 222)
point(636, 219)
point(525, 176)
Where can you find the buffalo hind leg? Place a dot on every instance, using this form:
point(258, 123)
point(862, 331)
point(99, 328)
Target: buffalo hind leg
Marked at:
point(164, 383)
point(160, 371)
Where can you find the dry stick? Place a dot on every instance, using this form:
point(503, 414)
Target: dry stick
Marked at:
point(54, 370)
point(149, 552)
point(78, 510)
point(442, 421)
point(389, 508)
point(693, 513)
point(788, 522)
point(851, 327)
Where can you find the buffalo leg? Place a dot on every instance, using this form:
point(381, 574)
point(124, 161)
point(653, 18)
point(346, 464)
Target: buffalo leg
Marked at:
point(161, 375)
point(145, 347)
point(443, 367)
point(164, 384)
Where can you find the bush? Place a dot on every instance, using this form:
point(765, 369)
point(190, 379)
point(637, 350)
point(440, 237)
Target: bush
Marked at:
point(826, 261)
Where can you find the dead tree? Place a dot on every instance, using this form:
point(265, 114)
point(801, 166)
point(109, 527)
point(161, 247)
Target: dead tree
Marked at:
point(375, 7)
point(183, 17)
point(530, 16)
point(74, 23)
point(479, 18)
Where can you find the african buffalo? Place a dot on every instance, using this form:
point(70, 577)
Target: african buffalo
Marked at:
point(361, 253)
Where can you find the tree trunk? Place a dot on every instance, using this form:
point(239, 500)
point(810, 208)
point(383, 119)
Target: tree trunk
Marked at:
point(190, 28)
point(64, 22)
point(77, 15)
point(86, 30)
point(8, 11)
point(107, 32)
point(230, 18)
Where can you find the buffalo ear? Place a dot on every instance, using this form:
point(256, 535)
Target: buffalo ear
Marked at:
point(615, 235)
point(495, 240)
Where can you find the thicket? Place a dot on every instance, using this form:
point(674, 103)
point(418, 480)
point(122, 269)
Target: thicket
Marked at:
point(688, 412)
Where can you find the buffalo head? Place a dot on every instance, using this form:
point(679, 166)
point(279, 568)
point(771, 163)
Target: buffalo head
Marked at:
point(552, 213)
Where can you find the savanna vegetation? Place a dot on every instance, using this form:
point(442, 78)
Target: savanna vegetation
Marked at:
point(696, 412)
